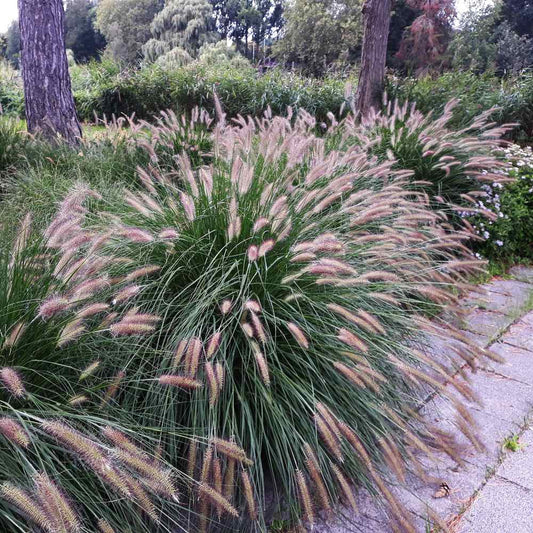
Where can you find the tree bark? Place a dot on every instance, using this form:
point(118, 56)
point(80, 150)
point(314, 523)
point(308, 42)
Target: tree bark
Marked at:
point(377, 15)
point(50, 108)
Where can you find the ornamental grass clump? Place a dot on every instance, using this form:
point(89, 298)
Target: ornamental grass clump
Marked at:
point(271, 305)
point(451, 166)
point(172, 136)
point(65, 463)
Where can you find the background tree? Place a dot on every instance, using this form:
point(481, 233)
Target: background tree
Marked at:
point(486, 40)
point(473, 46)
point(125, 25)
point(179, 30)
point(519, 14)
point(47, 90)
point(81, 36)
point(425, 42)
point(514, 52)
point(377, 16)
point(403, 15)
point(13, 43)
point(248, 22)
point(3, 46)
point(318, 32)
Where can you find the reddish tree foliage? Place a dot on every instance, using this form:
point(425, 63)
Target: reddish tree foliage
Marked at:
point(425, 42)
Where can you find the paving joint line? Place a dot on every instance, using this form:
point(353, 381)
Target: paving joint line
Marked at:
point(517, 346)
point(511, 482)
point(492, 472)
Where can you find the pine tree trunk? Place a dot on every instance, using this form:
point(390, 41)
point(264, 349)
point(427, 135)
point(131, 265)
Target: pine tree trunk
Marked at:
point(50, 108)
point(377, 15)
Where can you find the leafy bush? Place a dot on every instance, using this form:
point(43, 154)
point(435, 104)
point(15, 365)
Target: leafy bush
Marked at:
point(242, 90)
point(509, 237)
point(11, 95)
point(103, 89)
point(220, 53)
point(275, 299)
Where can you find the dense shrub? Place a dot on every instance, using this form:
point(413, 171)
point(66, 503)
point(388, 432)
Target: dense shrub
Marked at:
point(242, 90)
point(509, 237)
point(11, 95)
point(103, 89)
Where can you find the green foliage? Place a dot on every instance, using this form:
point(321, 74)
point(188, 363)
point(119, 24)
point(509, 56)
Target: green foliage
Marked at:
point(318, 34)
point(219, 54)
point(185, 25)
point(514, 52)
point(280, 281)
point(246, 22)
point(11, 94)
point(80, 34)
point(519, 14)
point(125, 25)
point(473, 46)
point(488, 40)
point(44, 435)
point(12, 146)
point(12, 52)
point(445, 163)
point(512, 443)
point(42, 174)
point(104, 90)
point(509, 237)
point(171, 137)
point(264, 270)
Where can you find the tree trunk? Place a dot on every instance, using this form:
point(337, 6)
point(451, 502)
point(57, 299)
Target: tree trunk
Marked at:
point(377, 15)
point(50, 106)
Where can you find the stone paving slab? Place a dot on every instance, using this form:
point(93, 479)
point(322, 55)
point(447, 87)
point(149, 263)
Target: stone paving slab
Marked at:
point(522, 273)
point(518, 365)
point(521, 334)
point(518, 466)
point(503, 296)
point(501, 507)
point(487, 323)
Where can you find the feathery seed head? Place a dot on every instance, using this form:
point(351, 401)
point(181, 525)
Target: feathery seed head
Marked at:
point(12, 382)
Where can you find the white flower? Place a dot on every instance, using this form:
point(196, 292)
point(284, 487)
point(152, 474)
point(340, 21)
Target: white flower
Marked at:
point(499, 243)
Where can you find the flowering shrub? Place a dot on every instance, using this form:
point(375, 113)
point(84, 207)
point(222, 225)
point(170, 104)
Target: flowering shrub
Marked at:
point(509, 235)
